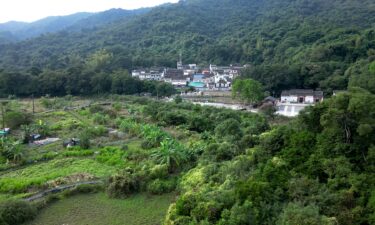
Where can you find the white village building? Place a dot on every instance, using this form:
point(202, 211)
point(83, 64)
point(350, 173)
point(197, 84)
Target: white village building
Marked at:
point(292, 102)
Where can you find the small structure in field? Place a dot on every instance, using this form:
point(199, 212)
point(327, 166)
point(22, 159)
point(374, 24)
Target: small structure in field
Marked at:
point(71, 143)
point(4, 132)
point(46, 141)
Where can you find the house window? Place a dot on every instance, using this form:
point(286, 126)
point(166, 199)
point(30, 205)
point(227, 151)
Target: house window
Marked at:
point(301, 99)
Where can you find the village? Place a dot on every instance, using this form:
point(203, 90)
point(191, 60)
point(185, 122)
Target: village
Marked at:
point(211, 78)
point(215, 82)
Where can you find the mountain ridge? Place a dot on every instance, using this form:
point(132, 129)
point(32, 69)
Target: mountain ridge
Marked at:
point(74, 22)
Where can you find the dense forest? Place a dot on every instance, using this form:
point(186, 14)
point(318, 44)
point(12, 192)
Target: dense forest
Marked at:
point(14, 31)
point(289, 44)
point(92, 76)
point(317, 170)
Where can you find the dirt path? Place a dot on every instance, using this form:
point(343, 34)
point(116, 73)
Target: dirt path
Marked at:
point(59, 189)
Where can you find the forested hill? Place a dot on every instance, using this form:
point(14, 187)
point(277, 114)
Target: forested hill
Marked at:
point(17, 31)
point(289, 43)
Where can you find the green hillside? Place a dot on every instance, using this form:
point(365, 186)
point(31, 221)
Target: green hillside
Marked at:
point(290, 43)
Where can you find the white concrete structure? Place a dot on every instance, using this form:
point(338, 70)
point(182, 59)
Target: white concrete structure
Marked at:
point(290, 110)
point(302, 96)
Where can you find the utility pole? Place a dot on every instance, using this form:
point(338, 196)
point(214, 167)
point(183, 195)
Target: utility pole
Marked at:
point(3, 103)
point(33, 103)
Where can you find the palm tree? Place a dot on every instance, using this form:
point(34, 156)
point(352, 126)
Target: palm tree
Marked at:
point(11, 150)
point(17, 152)
point(170, 153)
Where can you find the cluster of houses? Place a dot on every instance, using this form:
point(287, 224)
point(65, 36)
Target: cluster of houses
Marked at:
point(191, 75)
point(220, 78)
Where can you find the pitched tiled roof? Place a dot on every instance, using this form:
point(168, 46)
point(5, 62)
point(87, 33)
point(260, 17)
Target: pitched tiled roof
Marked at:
point(302, 92)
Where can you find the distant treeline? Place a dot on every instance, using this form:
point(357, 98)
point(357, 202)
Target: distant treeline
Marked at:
point(78, 81)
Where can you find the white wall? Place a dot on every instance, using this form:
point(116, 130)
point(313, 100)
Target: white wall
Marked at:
point(289, 98)
point(309, 99)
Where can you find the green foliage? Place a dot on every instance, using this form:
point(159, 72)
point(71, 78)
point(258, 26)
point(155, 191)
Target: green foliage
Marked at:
point(372, 67)
point(297, 214)
point(249, 91)
point(159, 172)
point(153, 136)
point(84, 139)
point(222, 151)
point(36, 176)
point(11, 150)
point(131, 127)
point(16, 212)
point(229, 128)
point(159, 187)
point(14, 119)
point(123, 184)
point(170, 153)
point(178, 99)
point(244, 214)
point(111, 156)
point(55, 103)
point(101, 119)
point(117, 106)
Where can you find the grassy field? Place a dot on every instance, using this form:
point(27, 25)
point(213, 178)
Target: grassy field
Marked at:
point(98, 209)
point(17, 181)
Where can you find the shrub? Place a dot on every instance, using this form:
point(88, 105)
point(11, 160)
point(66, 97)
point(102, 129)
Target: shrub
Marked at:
point(207, 210)
point(159, 171)
point(178, 99)
point(46, 103)
point(159, 186)
point(153, 136)
point(48, 156)
point(111, 156)
point(123, 185)
point(172, 118)
point(101, 119)
point(268, 110)
point(77, 152)
point(111, 113)
point(17, 212)
point(117, 106)
point(141, 101)
point(15, 119)
point(84, 138)
point(96, 109)
point(229, 128)
point(222, 151)
point(186, 203)
point(249, 141)
point(297, 214)
point(240, 214)
point(200, 124)
point(96, 131)
point(130, 127)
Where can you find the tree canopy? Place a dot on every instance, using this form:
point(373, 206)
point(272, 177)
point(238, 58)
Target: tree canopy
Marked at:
point(248, 90)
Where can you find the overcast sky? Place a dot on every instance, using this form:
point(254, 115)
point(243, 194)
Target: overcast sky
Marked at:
point(31, 10)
